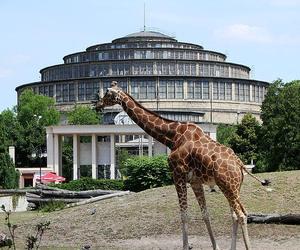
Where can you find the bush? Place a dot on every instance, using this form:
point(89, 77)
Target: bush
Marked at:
point(87, 183)
point(147, 172)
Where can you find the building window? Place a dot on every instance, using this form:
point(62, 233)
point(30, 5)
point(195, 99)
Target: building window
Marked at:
point(205, 90)
point(135, 90)
point(162, 90)
point(143, 89)
point(81, 91)
point(194, 90)
point(171, 89)
point(228, 91)
point(59, 93)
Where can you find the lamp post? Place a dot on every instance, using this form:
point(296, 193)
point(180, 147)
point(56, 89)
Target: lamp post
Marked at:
point(38, 149)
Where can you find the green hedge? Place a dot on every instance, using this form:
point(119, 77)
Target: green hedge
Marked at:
point(87, 183)
point(147, 172)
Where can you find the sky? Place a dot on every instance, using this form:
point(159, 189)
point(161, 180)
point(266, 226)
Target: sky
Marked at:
point(262, 34)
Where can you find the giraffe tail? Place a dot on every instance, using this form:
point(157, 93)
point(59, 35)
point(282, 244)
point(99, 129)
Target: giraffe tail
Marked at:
point(264, 182)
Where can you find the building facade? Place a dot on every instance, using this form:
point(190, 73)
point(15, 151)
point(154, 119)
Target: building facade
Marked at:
point(179, 80)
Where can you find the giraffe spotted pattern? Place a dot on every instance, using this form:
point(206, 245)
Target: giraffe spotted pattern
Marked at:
point(195, 158)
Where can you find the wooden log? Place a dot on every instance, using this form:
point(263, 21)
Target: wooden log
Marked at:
point(99, 198)
point(16, 191)
point(79, 194)
point(291, 219)
point(45, 200)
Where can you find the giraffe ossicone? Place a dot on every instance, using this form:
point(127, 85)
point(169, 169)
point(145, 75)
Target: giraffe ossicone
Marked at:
point(195, 158)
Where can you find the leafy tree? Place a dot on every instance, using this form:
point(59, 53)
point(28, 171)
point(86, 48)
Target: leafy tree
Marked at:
point(244, 141)
point(280, 137)
point(8, 129)
point(83, 115)
point(34, 113)
point(67, 159)
point(9, 177)
point(225, 133)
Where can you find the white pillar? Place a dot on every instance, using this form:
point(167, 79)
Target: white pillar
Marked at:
point(50, 151)
point(75, 156)
point(56, 153)
point(112, 156)
point(11, 151)
point(94, 156)
point(150, 142)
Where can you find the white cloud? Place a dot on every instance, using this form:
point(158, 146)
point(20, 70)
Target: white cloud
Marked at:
point(244, 32)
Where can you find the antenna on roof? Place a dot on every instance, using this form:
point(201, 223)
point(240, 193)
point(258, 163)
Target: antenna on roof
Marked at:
point(144, 16)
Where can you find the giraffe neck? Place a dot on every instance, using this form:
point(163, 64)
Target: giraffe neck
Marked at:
point(163, 130)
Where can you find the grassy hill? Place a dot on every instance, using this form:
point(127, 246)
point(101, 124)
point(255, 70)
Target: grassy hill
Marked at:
point(154, 214)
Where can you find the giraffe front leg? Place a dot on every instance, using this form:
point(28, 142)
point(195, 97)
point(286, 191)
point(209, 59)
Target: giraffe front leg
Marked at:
point(182, 198)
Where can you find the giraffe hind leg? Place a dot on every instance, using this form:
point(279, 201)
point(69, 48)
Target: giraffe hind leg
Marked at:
point(241, 219)
point(199, 193)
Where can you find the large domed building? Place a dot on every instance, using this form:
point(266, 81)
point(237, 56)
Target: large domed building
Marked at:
point(179, 80)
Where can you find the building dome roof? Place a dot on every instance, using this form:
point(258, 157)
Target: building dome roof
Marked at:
point(145, 34)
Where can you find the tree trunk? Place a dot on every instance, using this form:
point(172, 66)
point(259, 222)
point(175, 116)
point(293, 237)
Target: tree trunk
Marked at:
point(99, 198)
point(291, 219)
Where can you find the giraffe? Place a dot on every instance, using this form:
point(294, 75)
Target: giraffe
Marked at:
point(195, 158)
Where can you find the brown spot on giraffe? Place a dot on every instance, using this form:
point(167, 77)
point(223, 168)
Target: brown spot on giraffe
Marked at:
point(194, 158)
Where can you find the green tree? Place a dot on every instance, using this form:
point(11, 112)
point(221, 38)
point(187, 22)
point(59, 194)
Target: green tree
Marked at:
point(83, 115)
point(9, 177)
point(244, 141)
point(34, 114)
point(225, 133)
point(280, 137)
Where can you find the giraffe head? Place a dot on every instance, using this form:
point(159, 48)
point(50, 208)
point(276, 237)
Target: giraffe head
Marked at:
point(111, 97)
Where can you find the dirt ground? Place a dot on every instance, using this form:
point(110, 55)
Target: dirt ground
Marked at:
point(171, 242)
point(150, 220)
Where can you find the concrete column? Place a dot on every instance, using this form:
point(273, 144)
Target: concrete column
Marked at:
point(56, 153)
point(112, 156)
point(75, 156)
point(251, 91)
point(50, 151)
point(150, 141)
point(11, 151)
point(94, 156)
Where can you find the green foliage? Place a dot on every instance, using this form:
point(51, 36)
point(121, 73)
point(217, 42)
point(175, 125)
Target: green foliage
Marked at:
point(147, 172)
point(8, 129)
point(244, 141)
point(9, 177)
point(280, 136)
point(83, 115)
point(52, 206)
point(87, 183)
point(122, 156)
point(67, 159)
point(225, 133)
point(34, 113)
